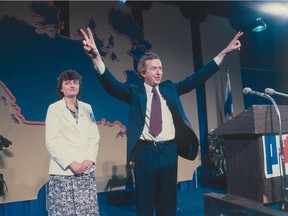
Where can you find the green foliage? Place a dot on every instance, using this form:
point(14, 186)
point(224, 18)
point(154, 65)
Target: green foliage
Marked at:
point(217, 154)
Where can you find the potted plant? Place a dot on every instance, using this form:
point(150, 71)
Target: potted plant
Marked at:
point(215, 162)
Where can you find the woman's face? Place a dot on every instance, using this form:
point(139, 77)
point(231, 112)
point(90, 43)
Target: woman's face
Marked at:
point(70, 88)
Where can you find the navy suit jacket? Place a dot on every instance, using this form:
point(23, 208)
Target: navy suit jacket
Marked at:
point(186, 140)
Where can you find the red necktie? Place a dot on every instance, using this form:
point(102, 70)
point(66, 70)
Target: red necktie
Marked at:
point(156, 115)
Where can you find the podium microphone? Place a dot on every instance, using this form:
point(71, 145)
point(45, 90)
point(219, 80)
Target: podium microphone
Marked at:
point(271, 91)
point(284, 185)
point(248, 90)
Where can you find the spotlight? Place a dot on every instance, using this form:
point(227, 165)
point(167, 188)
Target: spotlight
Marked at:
point(122, 1)
point(259, 25)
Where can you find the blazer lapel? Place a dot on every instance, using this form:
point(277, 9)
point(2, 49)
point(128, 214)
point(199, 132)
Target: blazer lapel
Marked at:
point(81, 120)
point(67, 115)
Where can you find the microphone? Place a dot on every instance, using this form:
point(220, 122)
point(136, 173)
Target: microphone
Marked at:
point(271, 91)
point(248, 90)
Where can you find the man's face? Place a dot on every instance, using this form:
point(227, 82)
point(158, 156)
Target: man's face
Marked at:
point(153, 74)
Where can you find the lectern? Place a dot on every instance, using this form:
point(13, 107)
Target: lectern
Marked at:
point(245, 154)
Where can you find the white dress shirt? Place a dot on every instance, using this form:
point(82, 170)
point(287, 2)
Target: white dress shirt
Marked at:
point(168, 131)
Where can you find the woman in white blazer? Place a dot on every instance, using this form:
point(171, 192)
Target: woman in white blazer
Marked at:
point(72, 138)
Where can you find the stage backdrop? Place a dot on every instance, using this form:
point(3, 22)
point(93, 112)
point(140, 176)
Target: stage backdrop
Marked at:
point(34, 50)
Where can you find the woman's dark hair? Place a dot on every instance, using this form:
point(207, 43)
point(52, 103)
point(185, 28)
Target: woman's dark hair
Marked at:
point(142, 61)
point(68, 75)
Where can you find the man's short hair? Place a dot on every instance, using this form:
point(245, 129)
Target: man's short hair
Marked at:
point(142, 61)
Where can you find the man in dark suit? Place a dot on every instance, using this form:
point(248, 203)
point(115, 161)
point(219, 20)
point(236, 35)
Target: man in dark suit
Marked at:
point(154, 145)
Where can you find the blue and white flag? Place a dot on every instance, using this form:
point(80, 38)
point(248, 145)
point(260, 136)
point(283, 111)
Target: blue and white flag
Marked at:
point(228, 104)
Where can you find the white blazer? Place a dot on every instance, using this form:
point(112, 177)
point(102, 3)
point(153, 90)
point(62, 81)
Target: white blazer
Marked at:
point(68, 141)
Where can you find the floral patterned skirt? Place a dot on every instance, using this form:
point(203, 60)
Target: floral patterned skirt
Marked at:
point(73, 195)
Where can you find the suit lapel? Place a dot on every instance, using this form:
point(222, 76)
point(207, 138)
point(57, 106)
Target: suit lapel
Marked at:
point(166, 94)
point(142, 100)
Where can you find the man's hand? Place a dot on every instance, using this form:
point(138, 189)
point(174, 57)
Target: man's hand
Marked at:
point(235, 44)
point(92, 51)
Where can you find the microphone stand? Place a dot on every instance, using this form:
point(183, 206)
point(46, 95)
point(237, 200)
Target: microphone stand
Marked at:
point(281, 94)
point(284, 206)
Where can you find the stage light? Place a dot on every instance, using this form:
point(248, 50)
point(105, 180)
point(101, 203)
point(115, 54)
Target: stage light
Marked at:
point(259, 25)
point(122, 1)
point(274, 8)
